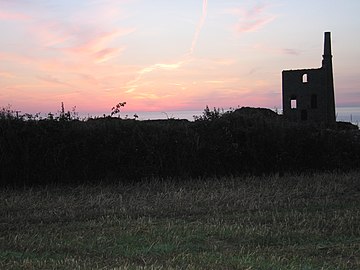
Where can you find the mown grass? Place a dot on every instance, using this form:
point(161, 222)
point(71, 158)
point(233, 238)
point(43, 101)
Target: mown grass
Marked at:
point(291, 222)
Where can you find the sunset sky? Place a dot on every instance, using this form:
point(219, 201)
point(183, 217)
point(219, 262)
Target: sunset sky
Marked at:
point(164, 55)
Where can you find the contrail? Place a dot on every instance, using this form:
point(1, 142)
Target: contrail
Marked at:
point(132, 86)
point(199, 27)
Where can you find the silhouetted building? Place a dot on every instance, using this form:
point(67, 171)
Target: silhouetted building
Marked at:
point(308, 94)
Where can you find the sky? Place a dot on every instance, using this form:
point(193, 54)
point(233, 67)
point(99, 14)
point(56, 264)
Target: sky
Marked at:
point(163, 55)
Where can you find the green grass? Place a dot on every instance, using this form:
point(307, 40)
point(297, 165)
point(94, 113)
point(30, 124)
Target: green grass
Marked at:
point(292, 222)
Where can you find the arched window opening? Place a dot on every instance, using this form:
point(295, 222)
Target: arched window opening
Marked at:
point(305, 78)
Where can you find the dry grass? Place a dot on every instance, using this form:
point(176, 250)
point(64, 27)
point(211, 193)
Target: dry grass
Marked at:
point(293, 222)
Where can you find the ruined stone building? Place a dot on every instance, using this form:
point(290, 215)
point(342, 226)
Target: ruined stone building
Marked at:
point(308, 94)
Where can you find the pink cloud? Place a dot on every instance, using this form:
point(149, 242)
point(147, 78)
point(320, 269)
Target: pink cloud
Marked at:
point(106, 54)
point(12, 16)
point(90, 36)
point(96, 45)
point(50, 34)
point(251, 19)
point(71, 57)
point(81, 42)
point(52, 80)
point(15, 58)
point(6, 74)
point(253, 24)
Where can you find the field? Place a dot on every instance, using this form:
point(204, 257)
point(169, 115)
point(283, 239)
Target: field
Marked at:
point(290, 222)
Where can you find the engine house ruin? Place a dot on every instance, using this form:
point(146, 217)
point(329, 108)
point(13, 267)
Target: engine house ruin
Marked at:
point(308, 94)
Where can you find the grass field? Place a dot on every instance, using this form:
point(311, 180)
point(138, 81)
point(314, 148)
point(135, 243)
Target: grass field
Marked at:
point(291, 222)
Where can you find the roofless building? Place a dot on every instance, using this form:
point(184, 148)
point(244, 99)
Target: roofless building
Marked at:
point(308, 94)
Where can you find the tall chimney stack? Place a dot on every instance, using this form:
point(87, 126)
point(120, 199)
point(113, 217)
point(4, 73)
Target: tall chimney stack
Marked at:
point(329, 79)
point(327, 44)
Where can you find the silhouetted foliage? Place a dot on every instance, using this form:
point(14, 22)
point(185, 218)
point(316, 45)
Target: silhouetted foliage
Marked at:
point(242, 141)
point(209, 115)
point(117, 108)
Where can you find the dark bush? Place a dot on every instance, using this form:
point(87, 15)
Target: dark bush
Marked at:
point(243, 141)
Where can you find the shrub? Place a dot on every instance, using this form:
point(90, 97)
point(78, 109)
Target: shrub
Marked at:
point(243, 141)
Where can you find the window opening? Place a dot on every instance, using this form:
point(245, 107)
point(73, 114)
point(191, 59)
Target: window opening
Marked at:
point(293, 103)
point(305, 78)
point(314, 102)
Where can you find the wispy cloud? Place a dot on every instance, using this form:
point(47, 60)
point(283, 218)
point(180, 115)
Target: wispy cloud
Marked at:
point(71, 29)
point(280, 51)
point(251, 19)
point(96, 45)
point(13, 16)
point(290, 51)
point(80, 41)
point(52, 79)
point(6, 74)
point(107, 54)
point(134, 84)
point(69, 50)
